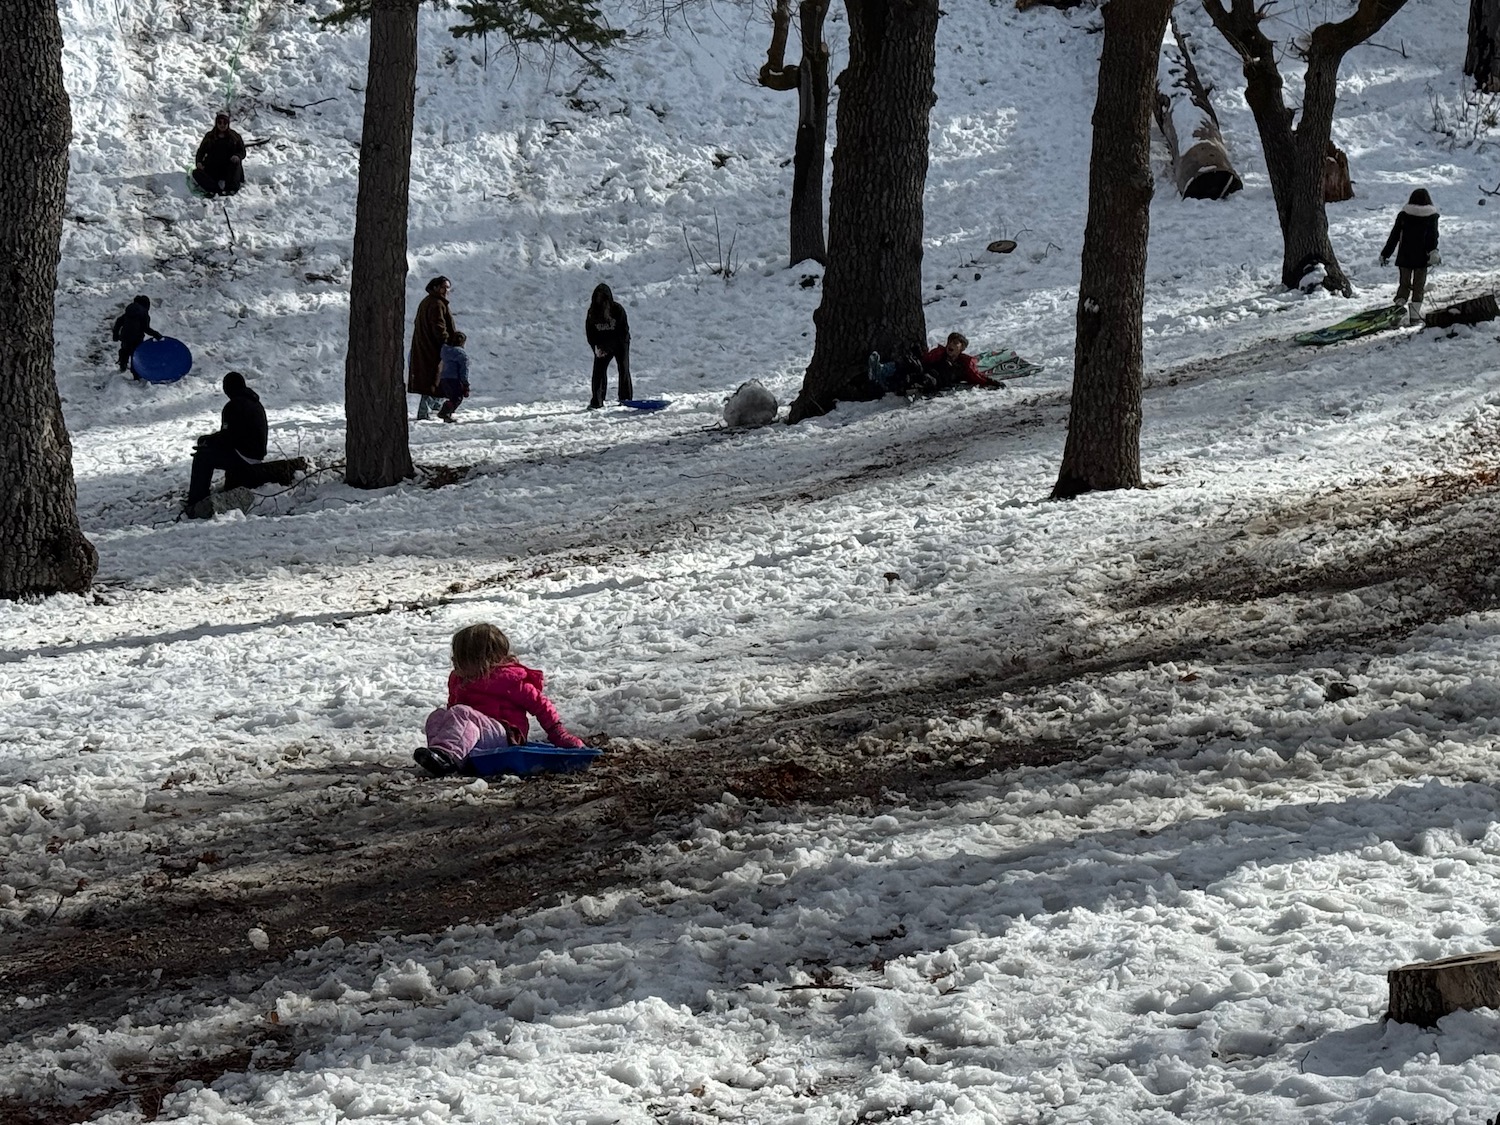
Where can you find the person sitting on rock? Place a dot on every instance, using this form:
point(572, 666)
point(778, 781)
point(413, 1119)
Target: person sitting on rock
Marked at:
point(940, 369)
point(218, 167)
point(131, 327)
point(240, 440)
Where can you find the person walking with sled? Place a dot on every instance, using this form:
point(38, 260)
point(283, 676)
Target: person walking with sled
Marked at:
point(608, 332)
point(131, 327)
point(1414, 241)
point(240, 440)
point(491, 695)
point(433, 328)
point(453, 383)
point(219, 164)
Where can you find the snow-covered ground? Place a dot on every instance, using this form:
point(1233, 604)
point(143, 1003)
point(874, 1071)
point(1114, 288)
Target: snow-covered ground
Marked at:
point(1274, 670)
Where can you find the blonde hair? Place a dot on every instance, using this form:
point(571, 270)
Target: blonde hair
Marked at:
point(478, 650)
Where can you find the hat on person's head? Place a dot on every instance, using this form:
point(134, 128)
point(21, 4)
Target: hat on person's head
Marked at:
point(222, 115)
point(233, 383)
point(432, 286)
point(143, 301)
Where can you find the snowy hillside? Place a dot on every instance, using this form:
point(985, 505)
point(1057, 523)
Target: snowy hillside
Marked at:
point(924, 798)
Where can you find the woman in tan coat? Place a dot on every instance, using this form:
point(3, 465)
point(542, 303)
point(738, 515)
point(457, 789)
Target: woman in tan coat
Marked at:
point(433, 329)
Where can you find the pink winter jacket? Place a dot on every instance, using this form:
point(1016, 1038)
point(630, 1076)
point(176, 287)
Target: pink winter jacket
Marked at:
point(510, 693)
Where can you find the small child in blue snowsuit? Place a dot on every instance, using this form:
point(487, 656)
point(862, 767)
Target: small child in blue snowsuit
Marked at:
point(453, 376)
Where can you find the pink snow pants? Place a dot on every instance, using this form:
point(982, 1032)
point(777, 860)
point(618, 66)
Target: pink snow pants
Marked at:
point(458, 730)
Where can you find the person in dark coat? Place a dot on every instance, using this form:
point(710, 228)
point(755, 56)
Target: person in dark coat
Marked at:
point(131, 327)
point(218, 166)
point(240, 440)
point(1414, 241)
point(433, 329)
point(608, 332)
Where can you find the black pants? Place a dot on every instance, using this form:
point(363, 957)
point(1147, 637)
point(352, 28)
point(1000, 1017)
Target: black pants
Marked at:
point(601, 375)
point(231, 175)
point(127, 349)
point(213, 451)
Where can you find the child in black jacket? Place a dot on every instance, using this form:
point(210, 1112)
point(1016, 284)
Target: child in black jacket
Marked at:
point(131, 327)
point(1414, 240)
point(608, 332)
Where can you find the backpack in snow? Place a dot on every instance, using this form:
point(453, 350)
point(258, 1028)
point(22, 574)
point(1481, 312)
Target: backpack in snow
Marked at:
point(751, 405)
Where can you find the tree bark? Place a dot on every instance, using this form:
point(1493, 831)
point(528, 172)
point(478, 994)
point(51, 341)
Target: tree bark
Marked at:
point(1103, 449)
point(1337, 186)
point(1294, 156)
point(1484, 33)
point(1186, 117)
point(872, 290)
point(1427, 991)
point(42, 548)
point(812, 138)
point(377, 453)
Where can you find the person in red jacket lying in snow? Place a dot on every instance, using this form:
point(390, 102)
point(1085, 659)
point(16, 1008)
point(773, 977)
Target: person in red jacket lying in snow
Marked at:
point(940, 369)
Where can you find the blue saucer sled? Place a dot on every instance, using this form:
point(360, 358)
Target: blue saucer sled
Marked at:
point(646, 403)
point(161, 361)
point(531, 757)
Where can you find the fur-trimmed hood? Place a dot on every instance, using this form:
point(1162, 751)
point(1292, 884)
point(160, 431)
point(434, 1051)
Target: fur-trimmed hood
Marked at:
point(1419, 210)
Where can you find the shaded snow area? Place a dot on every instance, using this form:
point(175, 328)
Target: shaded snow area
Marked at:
point(924, 799)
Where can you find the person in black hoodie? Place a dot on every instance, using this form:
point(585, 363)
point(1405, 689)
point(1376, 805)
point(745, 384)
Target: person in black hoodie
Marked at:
point(240, 440)
point(219, 164)
point(1416, 235)
point(608, 332)
point(131, 327)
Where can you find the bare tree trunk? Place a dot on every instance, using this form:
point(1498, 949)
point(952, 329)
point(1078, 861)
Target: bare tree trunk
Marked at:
point(42, 548)
point(1103, 449)
point(377, 451)
point(1294, 156)
point(812, 137)
point(872, 290)
point(1484, 33)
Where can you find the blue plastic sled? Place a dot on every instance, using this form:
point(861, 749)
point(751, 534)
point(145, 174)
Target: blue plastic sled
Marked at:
point(646, 403)
point(161, 361)
point(531, 757)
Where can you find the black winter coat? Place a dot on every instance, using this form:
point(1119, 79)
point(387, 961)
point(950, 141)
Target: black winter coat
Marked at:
point(1416, 231)
point(134, 325)
point(215, 150)
point(610, 331)
point(243, 423)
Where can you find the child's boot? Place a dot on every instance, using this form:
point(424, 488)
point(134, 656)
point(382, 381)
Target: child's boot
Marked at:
point(1414, 313)
point(434, 762)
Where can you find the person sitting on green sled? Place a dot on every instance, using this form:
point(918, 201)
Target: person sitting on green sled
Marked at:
point(219, 164)
point(943, 368)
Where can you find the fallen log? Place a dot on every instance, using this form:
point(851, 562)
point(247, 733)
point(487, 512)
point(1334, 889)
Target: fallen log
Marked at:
point(1186, 118)
point(1425, 992)
point(1473, 311)
point(264, 472)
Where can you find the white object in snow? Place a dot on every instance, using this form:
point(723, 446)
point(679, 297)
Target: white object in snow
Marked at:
point(751, 405)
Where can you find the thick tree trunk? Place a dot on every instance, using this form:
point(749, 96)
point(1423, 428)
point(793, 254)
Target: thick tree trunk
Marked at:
point(812, 137)
point(42, 548)
point(1427, 991)
point(872, 290)
point(1103, 448)
point(1484, 33)
point(1295, 156)
point(377, 451)
point(1186, 117)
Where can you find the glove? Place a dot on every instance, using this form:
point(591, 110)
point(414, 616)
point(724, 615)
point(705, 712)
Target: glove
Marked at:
point(1384, 261)
point(1433, 258)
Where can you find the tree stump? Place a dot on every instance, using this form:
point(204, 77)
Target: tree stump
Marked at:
point(1425, 992)
point(1472, 311)
point(1337, 186)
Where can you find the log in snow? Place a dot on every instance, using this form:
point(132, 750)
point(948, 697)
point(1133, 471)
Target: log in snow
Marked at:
point(1200, 160)
point(1427, 991)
